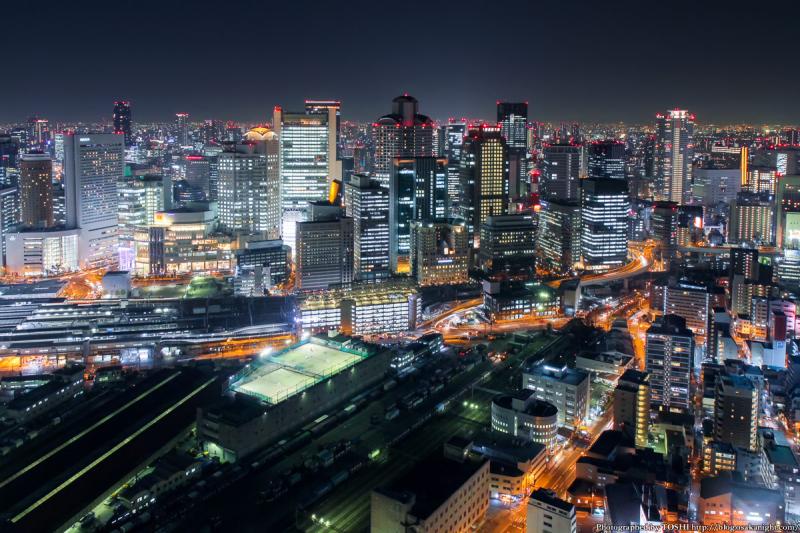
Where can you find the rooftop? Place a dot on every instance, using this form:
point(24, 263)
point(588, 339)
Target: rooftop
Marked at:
point(431, 482)
point(549, 497)
point(275, 378)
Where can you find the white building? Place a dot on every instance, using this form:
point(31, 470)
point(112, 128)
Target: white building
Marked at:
point(93, 164)
point(546, 513)
point(38, 253)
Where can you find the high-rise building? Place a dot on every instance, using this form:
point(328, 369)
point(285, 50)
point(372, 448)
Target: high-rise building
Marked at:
point(632, 406)
point(367, 203)
point(122, 120)
point(38, 134)
point(751, 219)
point(36, 190)
point(243, 194)
point(507, 241)
point(307, 141)
point(198, 174)
point(484, 178)
point(324, 254)
point(333, 109)
point(452, 135)
point(512, 117)
point(93, 164)
point(547, 513)
point(558, 236)
point(182, 128)
point(9, 216)
point(140, 198)
point(604, 223)
point(439, 252)
point(266, 143)
point(674, 152)
point(736, 412)
point(564, 166)
point(607, 159)
point(402, 133)
point(669, 352)
point(417, 191)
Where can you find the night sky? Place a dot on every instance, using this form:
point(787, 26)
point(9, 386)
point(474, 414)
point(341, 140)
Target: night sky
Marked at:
point(233, 59)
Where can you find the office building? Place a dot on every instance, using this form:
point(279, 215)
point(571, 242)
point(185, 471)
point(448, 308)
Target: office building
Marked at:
point(563, 168)
point(690, 301)
point(334, 110)
point(566, 388)
point(37, 253)
point(403, 133)
point(182, 129)
point(558, 237)
point(93, 165)
point(669, 353)
point(632, 406)
point(452, 135)
point(140, 198)
point(266, 143)
point(547, 513)
point(36, 191)
point(512, 117)
point(607, 159)
point(439, 493)
point(246, 190)
point(324, 253)
point(439, 252)
point(9, 216)
point(270, 256)
point(726, 501)
point(751, 219)
point(417, 191)
point(361, 308)
point(367, 204)
point(523, 415)
point(712, 185)
point(197, 175)
point(674, 152)
point(122, 121)
point(484, 178)
point(307, 141)
point(736, 412)
point(507, 240)
point(604, 223)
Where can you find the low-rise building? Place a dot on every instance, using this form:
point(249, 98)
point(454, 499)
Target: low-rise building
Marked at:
point(566, 388)
point(523, 415)
point(727, 500)
point(548, 513)
point(440, 493)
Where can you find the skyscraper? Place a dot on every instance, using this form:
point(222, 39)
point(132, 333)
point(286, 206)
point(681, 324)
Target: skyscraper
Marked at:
point(38, 134)
point(93, 164)
point(752, 219)
point(562, 171)
point(669, 350)
point(484, 178)
point(558, 237)
point(402, 133)
point(306, 140)
point(324, 254)
point(182, 128)
point(122, 120)
point(140, 198)
point(736, 412)
point(512, 117)
point(36, 190)
point(243, 194)
point(439, 252)
point(674, 151)
point(453, 140)
point(607, 159)
point(268, 205)
point(367, 203)
point(604, 223)
point(417, 191)
point(333, 109)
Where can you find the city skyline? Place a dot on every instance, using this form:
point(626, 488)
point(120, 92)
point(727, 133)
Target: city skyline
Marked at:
point(569, 63)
